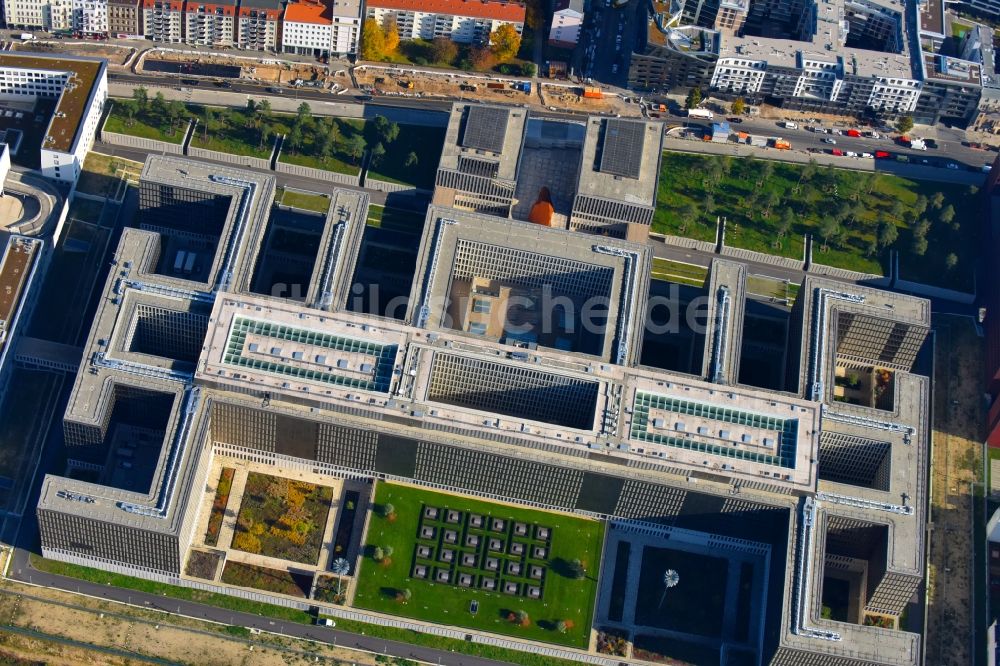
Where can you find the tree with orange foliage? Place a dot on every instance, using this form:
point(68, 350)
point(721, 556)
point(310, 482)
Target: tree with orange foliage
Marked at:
point(505, 42)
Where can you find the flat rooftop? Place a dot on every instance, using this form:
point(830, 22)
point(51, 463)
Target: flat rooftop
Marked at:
point(14, 270)
point(621, 160)
point(75, 99)
point(483, 133)
point(945, 68)
point(827, 45)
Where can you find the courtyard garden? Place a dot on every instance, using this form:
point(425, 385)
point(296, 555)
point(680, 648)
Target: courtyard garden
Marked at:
point(459, 561)
point(406, 154)
point(695, 605)
point(282, 518)
point(202, 564)
point(855, 218)
point(148, 118)
point(219, 506)
point(267, 579)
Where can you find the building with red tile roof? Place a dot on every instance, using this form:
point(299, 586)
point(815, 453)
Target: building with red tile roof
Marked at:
point(466, 21)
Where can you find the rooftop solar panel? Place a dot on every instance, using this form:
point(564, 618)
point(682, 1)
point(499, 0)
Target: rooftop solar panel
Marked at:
point(621, 150)
point(485, 128)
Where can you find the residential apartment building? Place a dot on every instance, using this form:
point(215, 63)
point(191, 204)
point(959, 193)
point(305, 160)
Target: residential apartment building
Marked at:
point(210, 24)
point(345, 31)
point(459, 20)
point(163, 20)
point(306, 28)
point(90, 17)
point(125, 17)
point(567, 20)
point(55, 15)
point(258, 25)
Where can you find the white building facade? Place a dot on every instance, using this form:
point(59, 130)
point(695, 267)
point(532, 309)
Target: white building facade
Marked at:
point(567, 21)
point(90, 17)
point(460, 21)
point(73, 126)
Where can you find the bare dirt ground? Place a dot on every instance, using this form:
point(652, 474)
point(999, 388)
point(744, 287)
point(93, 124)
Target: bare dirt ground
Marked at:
point(958, 437)
point(269, 72)
point(115, 55)
point(395, 81)
point(79, 622)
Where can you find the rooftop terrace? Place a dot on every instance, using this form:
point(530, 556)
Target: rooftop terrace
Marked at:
point(74, 100)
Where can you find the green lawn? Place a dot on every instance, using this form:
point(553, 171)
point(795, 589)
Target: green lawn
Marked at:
point(339, 162)
point(395, 219)
point(677, 271)
point(694, 189)
point(144, 125)
point(234, 142)
point(425, 142)
point(760, 285)
point(290, 614)
point(318, 203)
point(564, 598)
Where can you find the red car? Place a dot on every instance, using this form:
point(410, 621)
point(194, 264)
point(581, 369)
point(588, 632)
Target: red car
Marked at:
point(837, 151)
point(881, 155)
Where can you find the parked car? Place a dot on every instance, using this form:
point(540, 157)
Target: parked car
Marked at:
point(735, 120)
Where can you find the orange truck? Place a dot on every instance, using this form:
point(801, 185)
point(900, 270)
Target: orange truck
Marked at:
point(781, 144)
point(592, 92)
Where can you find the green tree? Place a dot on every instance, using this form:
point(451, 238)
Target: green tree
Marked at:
point(947, 214)
point(388, 509)
point(829, 228)
point(265, 134)
point(919, 246)
point(904, 124)
point(411, 160)
point(505, 42)
point(528, 69)
point(303, 114)
point(264, 108)
point(973, 190)
point(693, 99)
point(785, 222)
point(328, 142)
point(920, 206)
point(378, 153)
point(577, 570)
point(158, 107)
point(381, 130)
point(950, 261)
point(175, 112)
point(887, 233)
point(921, 227)
point(378, 554)
point(739, 106)
point(561, 626)
point(294, 139)
point(372, 41)
point(355, 146)
point(443, 50)
point(937, 200)
point(141, 97)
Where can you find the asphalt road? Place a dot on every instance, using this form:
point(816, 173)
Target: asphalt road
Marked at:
point(21, 569)
point(948, 150)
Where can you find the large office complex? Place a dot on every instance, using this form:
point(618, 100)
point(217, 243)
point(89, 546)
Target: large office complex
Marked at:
point(72, 90)
point(598, 177)
point(846, 56)
point(525, 368)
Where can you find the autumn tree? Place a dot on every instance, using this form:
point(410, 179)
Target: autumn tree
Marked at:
point(505, 42)
point(904, 124)
point(739, 106)
point(481, 58)
point(443, 50)
point(372, 40)
point(391, 36)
